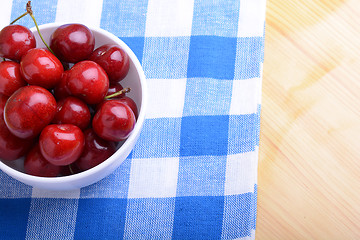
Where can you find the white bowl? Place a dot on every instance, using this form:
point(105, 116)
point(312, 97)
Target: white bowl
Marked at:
point(135, 80)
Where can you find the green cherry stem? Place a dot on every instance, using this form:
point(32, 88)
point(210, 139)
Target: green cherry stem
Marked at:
point(29, 10)
point(22, 15)
point(125, 90)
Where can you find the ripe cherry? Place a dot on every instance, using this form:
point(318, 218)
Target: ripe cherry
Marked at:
point(61, 144)
point(10, 77)
point(95, 152)
point(72, 42)
point(11, 147)
point(40, 67)
point(114, 88)
point(15, 41)
point(29, 110)
point(114, 121)
point(88, 81)
point(72, 110)
point(61, 91)
point(128, 101)
point(35, 164)
point(114, 60)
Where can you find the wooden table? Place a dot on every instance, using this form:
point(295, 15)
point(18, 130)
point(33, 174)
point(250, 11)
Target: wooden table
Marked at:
point(309, 165)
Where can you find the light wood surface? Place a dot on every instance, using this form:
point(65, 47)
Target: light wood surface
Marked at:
point(309, 164)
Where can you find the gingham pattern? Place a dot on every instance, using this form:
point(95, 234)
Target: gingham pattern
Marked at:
point(193, 172)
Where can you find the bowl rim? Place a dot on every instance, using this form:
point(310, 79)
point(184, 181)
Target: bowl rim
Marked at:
point(26, 178)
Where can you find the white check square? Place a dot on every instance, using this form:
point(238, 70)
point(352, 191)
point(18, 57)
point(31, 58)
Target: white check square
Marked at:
point(166, 98)
point(90, 14)
point(245, 97)
point(251, 18)
point(169, 18)
point(153, 177)
point(241, 173)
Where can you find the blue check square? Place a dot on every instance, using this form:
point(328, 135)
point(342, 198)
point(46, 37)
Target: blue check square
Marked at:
point(149, 218)
point(242, 133)
point(11, 188)
point(124, 18)
point(216, 18)
point(211, 57)
point(204, 135)
point(136, 44)
point(201, 176)
point(110, 224)
point(248, 57)
point(198, 217)
point(13, 218)
point(44, 12)
point(166, 57)
point(160, 137)
point(207, 96)
point(238, 205)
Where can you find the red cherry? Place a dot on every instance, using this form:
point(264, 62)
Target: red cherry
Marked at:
point(113, 59)
point(61, 91)
point(88, 81)
point(128, 101)
point(114, 121)
point(15, 41)
point(114, 88)
point(3, 100)
point(72, 110)
point(11, 147)
point(95, 152)
point(40, 67)
point(69, 170)
point(72, 42)
point(29, 110)
point(10, 78)
point(61, 144)
point(35, 164)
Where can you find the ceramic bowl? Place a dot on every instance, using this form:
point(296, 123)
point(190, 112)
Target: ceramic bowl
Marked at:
point(135, 80)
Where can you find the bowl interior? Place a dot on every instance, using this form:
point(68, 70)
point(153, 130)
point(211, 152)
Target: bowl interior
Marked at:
point(135, 80)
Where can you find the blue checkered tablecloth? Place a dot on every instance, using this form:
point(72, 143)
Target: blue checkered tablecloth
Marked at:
point(193, 172)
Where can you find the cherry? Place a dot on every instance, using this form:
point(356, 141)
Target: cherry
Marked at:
point(88, 81)
point(10, 77)
point(72, 110)
point(29, 110)
point(61, 144)
point(35, 164)
point(95, 152)
point(114, 88)
point(3, 100)
point(11, 147)
point(15, 41)
point(40, 67)
point(113, 59)
point(69, 169)
point(72, 42)
point(61, 91)
point(128, 101)
point(114, 121)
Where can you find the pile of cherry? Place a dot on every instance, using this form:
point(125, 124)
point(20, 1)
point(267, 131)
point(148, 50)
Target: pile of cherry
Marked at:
point(62, 108)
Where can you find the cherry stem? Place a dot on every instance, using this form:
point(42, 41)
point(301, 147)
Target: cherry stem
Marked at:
point(29, 10)
point(22, 15)
point(124, 90)
point(71, 170)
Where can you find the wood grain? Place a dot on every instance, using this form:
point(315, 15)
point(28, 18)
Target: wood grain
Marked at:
point(309, 164)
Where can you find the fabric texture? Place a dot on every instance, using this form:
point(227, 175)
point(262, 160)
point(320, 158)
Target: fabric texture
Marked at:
point(193, 171)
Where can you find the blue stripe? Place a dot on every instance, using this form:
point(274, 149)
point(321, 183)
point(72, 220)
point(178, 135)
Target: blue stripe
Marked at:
point(14, 217)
